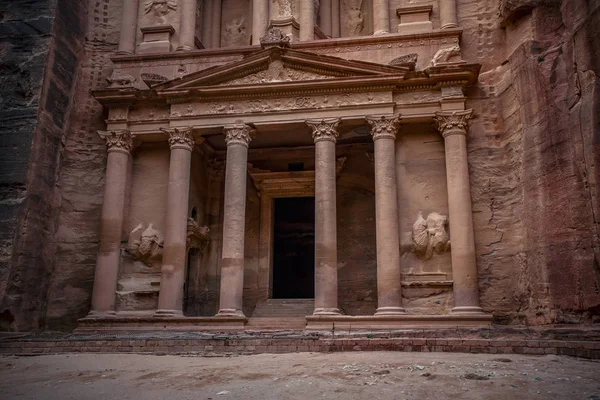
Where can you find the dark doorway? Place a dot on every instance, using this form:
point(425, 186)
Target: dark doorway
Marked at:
point(294, 248)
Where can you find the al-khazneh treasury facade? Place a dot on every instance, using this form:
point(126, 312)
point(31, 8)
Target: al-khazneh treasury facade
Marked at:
point(191, 133)
point(302, 164)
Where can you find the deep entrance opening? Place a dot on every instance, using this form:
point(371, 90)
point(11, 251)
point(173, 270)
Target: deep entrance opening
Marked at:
point(294, 248)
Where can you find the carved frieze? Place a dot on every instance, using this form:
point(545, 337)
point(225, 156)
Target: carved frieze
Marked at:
point(280, 104)
point(148, 113)
point(430, 235)
point(276, 72)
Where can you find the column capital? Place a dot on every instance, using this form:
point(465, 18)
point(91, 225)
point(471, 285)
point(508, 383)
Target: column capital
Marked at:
point(453, 122)
point(384, 126)
point(241, 134)
point(324, 129)
point(180, 138)
point(118, 140)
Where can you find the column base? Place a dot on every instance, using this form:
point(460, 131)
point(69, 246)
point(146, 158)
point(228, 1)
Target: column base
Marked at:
point(230, 312)
point(183, 48)
point(467, 310)
point(168, 314)
point(390, 311)
point(327, 311)
point(101, 314)
point(380, 33)
point(449, 26)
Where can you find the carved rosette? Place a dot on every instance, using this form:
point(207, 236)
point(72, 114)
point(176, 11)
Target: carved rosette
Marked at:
point(120, 140)
point(384, 127)
point(453, 122)
point(324, 129)
point(240, 134)
point(180, 138)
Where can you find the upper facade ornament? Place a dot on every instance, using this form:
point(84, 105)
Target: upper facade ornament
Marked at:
point(384, 127)
point(160, 8)
point(180, 138)
point(453, 122)
point(119, 140)
point(240, 134)
point(274, 37)
point(324, 129)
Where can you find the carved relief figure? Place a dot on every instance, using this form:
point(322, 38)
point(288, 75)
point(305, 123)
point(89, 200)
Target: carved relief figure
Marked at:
point(147, 245)
point(430, 236)
point(355, 21)
point(285, 8)
point(235, 33)
point(444, 55)
point(160, 8)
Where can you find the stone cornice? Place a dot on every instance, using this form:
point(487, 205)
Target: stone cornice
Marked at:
point(118, 140)
point(453, 122)
point(384, 127)
point(180, 138)
point(324, 129)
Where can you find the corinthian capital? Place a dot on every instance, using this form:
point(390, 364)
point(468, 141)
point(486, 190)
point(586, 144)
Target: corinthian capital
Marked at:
point(453, 122)
point(120, 140)
point(241, 134)
point(384, 127)
point(180, 138)
point(324, 129)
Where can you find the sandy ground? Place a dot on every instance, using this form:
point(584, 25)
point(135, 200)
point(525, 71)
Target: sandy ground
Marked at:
point(380, 375)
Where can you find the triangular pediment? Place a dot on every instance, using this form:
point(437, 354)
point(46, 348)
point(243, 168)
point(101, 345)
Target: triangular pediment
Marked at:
point(280, 65)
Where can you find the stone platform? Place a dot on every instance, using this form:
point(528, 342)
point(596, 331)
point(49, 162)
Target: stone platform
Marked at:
point(572, 341)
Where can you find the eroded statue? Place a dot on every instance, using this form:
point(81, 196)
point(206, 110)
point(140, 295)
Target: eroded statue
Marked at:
point(445, 54)
point(430, 235)
point(234, 33)
point(160, 8)
point(355, 20)
point(285, 8)
point(146, 245)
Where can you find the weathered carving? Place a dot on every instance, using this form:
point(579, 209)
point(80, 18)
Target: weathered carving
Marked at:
point(180, 138)
point(241, 134)
point(197, 236)
point(234, 33)
point(285, 8)
point(355, 21)
point(430, 236)
point(339, 166)
point(153, 79)
point(147, 245)
point(453, 122)
point(274, 37)
point(276, 72)
point(324, 129)
point(120, 140)
point(117, 80)
point(406, 59)
point(384, 127)
point(215, 168)
point(160, 8)
point(444, 55)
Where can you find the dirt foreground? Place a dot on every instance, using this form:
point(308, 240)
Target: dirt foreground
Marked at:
point(377, 375)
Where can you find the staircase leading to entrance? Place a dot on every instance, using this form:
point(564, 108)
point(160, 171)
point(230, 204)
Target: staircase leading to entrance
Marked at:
point(275, 308)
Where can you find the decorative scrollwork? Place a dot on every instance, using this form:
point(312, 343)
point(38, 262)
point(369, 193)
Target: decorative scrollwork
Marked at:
point(120, 140)
point(384, 127)
point(453, 122)
point(324, 129)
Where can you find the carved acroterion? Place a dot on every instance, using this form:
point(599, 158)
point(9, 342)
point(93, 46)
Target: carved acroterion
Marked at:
point(445, 54)
point(274, 37)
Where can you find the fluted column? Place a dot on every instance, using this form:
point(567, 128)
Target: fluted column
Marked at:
point(128, 27)
point(381, 17)
point(307, 20)
point(119, 145)
point(216, 23)
point(389, 288)
point(237, 139)
point(260, 19)
point(325, 17)
point(170, 297)
point(326, 284)
point(187, 25)
point(453, 127)
point(448, 17)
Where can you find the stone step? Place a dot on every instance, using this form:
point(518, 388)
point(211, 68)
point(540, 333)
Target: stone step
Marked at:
point(284, 308)
point(276, 324)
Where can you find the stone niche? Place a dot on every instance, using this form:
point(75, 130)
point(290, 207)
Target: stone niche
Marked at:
point(423, 212)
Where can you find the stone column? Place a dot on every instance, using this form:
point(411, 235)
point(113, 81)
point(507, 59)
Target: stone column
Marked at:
point(453, 127)
point(187, 25)
point(335, 18)
point(170, 297)
point(216, 23)
point(381, 17)
point(307, 20)
point(207, 23)
point(237, 139)
point(128, 27)
point(448, 18)
point(325, 17)
point(389, 288)
point(119, 145)
point(260, 19)
point(326, 284)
